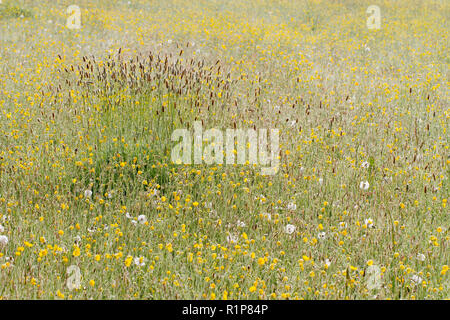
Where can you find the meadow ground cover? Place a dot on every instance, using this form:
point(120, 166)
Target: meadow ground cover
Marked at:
point(91, 205)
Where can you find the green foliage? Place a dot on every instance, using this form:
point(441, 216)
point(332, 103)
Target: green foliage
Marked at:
point(11, 11)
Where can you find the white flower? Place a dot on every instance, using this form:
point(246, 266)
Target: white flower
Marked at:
point(289, 229)
point(94, 229)
point(240, 224)
point(302, 169)
point(322, 235)
point(2, 229)
point(212, 213)
point(420, 257)
point(142, 219)
point(87, 193)
point(369, 223)
point(342, 225)
point(268, 216)
point(292, 206)
point(128, 215)
point(261, 196)
point(77, 239)
point(416, 279)
point(327, 262)
point(364, 185)
point(110, 194)
point(140, 261)
point(134, 222)
point(365, 165)
point(232, 239)
point(320, 180)
point(3, 240)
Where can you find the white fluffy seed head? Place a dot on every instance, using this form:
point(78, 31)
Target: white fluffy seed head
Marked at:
point(4, 240)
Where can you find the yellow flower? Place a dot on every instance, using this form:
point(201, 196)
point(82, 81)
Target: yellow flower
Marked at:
point(128, 261)
point(76, 251)
point(59, 294)
point(444, 270)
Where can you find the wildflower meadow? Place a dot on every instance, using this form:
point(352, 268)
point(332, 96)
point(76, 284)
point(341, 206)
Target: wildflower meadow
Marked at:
point(215, 149)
